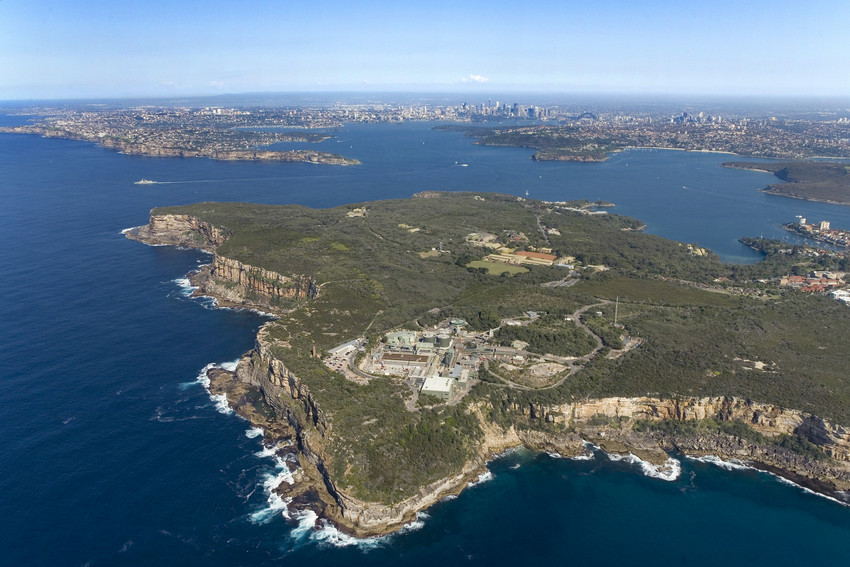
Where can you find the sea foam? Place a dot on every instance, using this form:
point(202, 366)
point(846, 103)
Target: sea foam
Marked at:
point(736, 465)
point(328, 535)
point(482, 478)
point(221, 404)
point(185, 287)
point(254, 432)
point(282, 473)
point(668, 471)
point(730, 465)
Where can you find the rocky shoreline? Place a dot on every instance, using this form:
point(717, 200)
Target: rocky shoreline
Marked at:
point(314, 489)
point(263, 390)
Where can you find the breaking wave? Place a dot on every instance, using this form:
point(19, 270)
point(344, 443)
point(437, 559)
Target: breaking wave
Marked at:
point(482, 478)
point(730, 465)
point(186, 287)
point(668, 471)
point(282, 473)
point(254, 432)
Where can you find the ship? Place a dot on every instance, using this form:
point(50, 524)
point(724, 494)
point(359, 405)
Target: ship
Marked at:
point(145, 182)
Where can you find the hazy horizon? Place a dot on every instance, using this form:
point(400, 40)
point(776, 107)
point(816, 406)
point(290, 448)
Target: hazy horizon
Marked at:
point(54, 50)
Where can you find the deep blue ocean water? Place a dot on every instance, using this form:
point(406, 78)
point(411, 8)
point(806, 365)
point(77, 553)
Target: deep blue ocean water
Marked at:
point(113, 452)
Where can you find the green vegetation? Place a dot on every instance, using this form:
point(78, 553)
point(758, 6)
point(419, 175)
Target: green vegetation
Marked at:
point(605, 330)
point(374, 275)
point(549, 335)
point(568, 143)
point(496, 268)
point(814, 181)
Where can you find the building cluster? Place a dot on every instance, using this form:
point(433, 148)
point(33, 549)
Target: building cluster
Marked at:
point(224, 129)
point(815, 282)
point(822, 231)
point(506, 254)
point(440, 362)
point(524, 257)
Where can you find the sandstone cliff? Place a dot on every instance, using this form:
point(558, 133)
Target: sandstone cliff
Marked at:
point(231, 282)
point(235, 283)
point(294, 402)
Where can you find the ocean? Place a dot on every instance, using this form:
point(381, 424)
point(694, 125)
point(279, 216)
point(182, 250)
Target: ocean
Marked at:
point(113, 452)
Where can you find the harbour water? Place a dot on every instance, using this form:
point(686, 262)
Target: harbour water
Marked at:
point(113, 452)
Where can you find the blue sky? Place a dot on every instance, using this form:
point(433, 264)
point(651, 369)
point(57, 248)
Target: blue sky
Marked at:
point(85, 48)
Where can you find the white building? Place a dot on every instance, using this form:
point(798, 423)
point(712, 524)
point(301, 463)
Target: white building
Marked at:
point(439, 386)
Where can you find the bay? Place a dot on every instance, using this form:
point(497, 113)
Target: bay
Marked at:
point(113, 453)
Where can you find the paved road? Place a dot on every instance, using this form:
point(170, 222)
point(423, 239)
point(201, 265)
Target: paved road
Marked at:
point(574, 364)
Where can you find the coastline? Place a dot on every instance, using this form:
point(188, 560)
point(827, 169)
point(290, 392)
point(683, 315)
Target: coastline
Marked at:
point(768, 191)
point(627, 148)
point(264, 391)
point(656, 458)
point(131, 148)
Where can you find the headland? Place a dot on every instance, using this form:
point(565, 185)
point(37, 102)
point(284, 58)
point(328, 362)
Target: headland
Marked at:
point(826, 182)
point(397, 368)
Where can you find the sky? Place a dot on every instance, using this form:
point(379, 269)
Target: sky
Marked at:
point(52, 49)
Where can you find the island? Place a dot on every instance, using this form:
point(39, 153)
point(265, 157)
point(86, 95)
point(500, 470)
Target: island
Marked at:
point(824, 181)
point(415, 339)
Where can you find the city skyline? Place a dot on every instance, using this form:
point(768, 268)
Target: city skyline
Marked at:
point(51, 50)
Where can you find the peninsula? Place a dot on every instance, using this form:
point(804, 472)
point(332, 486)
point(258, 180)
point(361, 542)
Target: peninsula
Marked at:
point(827, 182)
point(168, 132)
point(403, 356)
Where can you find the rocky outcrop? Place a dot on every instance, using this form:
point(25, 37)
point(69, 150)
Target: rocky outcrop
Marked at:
point(230, 281)
point(767, 419)
point(179, 230)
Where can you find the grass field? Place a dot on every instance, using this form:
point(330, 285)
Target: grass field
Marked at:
point(496, 268)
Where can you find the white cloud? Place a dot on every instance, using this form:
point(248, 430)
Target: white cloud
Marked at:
point(473, 78)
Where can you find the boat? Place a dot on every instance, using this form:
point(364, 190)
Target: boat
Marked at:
point(145, 182)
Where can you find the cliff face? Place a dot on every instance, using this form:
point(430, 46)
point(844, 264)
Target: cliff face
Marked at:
point(294, 402)
point(769, 420)
point(269, 286)
point(226, 279)
point(180, 230)
point(291, 399)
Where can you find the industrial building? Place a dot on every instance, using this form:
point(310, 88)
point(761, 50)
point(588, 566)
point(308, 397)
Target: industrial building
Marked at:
point(439, 386)
point(401, 338)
